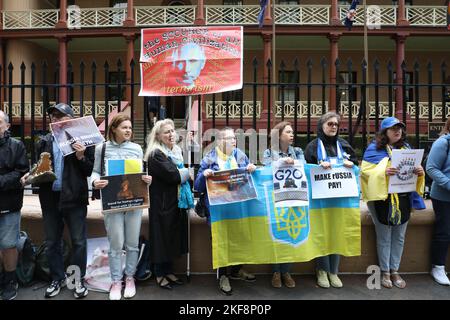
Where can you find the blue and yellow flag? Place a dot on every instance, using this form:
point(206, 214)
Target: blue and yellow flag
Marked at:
point(256, 232)
point(120, 166)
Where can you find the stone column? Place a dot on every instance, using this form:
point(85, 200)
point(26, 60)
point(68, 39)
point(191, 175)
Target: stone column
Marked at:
point(129, 21)
point(334, 54)
point(334, 19)
point(400, 40)
point(267, 38)
point(401, 14)
point(199, 16)
point(62, 41)
point(62, 22)
point(130, 55)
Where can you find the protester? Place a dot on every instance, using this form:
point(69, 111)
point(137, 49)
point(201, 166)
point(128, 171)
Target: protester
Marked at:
point(65, 201)
point(224, 156)
point(13, 165)
point(390, 212)
point(438, 168)
point(123, 228)
point(281, 140)
point(170, 197)
point(328, 150)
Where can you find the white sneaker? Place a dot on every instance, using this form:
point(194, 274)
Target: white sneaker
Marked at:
point(115, 293)
point(439, 275)
point(130, 288)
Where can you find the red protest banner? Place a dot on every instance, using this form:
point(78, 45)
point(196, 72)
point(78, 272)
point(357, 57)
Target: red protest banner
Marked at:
point(190, 60)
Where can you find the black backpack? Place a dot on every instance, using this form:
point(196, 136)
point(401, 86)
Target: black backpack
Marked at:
point(42, 266)
point(26, 262)
point(144, 266)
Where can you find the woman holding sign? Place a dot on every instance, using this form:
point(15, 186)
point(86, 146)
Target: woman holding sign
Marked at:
point(328, 150)
point(170, 197)
point(224, 156)
point(121, 227)
point(281, 140)
point(390, 212)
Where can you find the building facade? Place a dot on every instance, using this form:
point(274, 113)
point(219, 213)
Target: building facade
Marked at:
point(73, 42)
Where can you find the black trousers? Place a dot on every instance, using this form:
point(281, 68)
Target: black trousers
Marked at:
point(226, 271)
point(441, 232)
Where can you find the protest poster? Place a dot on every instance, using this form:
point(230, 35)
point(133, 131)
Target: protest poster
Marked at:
point(337, 182)
point(83, 129)
point(230, 186)
point(184, 61)
point(405, 160)
point(289, 184)
point(124, 192)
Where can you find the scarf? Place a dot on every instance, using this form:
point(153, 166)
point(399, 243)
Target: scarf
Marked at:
point(185, 196)
point(322, 153)
point(226, 162)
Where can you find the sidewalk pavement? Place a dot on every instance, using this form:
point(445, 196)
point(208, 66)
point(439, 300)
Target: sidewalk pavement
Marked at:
point(204, 287)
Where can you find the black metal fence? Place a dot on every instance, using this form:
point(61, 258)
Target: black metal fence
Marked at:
point(294, 84)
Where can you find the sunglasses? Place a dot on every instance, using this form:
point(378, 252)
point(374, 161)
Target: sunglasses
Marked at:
point(332, 124)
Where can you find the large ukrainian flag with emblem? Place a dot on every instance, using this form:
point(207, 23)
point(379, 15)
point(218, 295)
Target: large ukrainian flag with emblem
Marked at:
point(256, 232)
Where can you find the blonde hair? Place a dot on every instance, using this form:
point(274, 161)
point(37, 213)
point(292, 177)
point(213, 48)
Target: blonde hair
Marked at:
point(153, 138)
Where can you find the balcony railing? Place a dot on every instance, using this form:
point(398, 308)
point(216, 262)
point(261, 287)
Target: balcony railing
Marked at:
point(234, 109)
point(376, 15)
point(95, 17)
point(302, 15)
point(231, 15)
point(31, 19)
point(39, 105)
point(161, 16)
point(219, 15)
point(426, 16)
point(317, 109)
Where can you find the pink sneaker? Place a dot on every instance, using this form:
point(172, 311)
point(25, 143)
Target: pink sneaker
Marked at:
point(130, 288)
point(115, 293)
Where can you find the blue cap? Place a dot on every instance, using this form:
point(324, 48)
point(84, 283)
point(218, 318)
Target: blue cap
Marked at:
point(390, 122)
point(61, 107)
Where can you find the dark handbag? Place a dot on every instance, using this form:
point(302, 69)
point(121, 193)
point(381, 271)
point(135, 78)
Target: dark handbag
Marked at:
point(200, 207)
point(383, 211)
point(96, 192)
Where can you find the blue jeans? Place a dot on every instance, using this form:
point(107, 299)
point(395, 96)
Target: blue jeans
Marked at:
point(9, 230)
point(54, 219)
point(123, 228)
point(281, 267)
point(390, 242)
point(328, 263)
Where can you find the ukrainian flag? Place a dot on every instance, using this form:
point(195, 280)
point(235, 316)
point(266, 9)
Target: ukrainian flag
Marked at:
point(374, 182)
point(123, 166)
point(256, 232)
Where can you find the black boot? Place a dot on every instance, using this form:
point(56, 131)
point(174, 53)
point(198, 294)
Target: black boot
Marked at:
point(10, 285)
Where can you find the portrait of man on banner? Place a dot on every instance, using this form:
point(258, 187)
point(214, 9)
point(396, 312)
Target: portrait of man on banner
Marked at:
point(188, 62)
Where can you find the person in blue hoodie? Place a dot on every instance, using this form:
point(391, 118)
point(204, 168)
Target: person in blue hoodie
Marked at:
point(438, 168)
point(224, 156)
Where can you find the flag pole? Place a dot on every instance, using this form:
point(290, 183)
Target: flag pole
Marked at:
point(366, 58)
point(274, 108)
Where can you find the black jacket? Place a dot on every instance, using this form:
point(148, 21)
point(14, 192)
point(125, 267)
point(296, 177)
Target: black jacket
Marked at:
point(13, 165)
point(167, 222)
point(330, 147)
point(74, 187)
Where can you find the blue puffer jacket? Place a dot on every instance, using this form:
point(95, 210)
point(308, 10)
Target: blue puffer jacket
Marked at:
point(209, 161)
